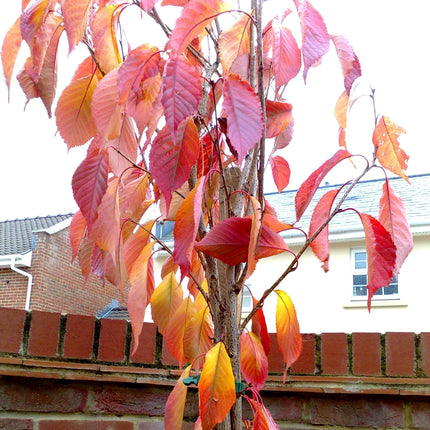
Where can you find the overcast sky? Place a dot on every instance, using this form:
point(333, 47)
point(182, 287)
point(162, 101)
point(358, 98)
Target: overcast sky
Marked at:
point(390, 38)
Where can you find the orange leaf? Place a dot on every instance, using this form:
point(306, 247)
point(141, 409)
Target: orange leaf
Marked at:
point(253, 360)
point(280, 172)
point(341, 109)
point(75, 13)
point(106, 228)
point(186, 226)
point(165, 300)
point(195, 17)
point(76, 232)
point(287, 330)
point(234, 41)
point(279, 115)
point(174, 410)
point(140, 292)
point(33, 18)
point(174, 334)
point(11, 44)
point(217, 389)
point(104, 38)
point(198, 338)
point(392, 216)
point(73, 114)
point(388, 150)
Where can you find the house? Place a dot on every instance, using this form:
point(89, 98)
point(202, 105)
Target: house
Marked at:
point(36, 271)
point(337, 300)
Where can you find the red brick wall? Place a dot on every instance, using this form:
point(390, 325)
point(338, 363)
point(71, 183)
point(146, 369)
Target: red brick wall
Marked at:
point(57, 284)
point(75, 372)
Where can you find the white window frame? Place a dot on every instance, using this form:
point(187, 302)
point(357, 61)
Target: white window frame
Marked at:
point(246, 294)
point(355, 271)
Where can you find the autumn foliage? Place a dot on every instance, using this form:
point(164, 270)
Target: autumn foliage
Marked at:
point(183, 129)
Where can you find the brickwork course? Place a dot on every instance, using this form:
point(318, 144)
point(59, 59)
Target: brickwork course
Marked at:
point(75, 372)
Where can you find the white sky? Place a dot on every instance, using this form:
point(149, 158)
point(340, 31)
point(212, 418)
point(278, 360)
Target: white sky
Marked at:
point(390, 38)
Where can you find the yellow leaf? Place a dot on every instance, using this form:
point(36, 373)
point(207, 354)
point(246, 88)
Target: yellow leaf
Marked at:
point(217, 390)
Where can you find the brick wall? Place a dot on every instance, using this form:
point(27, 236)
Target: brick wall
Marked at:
point(75, 372)
point(57, 284)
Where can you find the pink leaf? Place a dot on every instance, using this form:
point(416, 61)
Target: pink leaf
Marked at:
point(307, 190)
point(89, 183)
point(320, 245)
point(392, 216)
point(280, 172)
point(316, 40)
point(181, 91)
point(171, 160)
point(286, 54)
point(351, 68)
point(244, 115)
point(381, 255)
point(147, 5)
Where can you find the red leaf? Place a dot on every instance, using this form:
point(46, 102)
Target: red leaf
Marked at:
point(351, 68)
point(381, 255)
point(259, 327)
point(217, 389)
point(89, 183)
point(392, 216)
point(186, 226)
point(253, 360)
point(170, 160)
point(195, 17)
point(244, 115)
point(286, 54)
point(284, 138)
point(229, 241)
point(388, 150)
point(141, 288)
point(307, 190)
point(75, 15)
point(254, 236)
point(181, 91)
point(279, 115)
point(174, 410)
point(315, 38)
point(287, 330)
point(262, 418)
point(280, 172)
point(320, 245)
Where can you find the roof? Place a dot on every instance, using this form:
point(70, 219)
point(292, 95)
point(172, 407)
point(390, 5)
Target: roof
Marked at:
point(364, 197)
point(114, 311)
point(16, 236)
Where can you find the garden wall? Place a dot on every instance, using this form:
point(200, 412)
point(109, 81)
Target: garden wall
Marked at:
point(75, 372)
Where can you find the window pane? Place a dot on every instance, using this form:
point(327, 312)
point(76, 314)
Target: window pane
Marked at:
point(393, 288)
point(358, 280)
point(246, 301)
point(360, 260)
point(360, 291)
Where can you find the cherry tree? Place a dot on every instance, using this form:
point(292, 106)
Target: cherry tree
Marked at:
point(190, 121)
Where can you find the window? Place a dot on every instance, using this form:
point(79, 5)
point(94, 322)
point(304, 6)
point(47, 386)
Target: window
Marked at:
point(246, 301)
point(359, 279)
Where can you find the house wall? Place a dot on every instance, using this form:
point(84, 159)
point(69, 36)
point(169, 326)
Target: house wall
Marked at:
point(75, 372)
point(58, 285)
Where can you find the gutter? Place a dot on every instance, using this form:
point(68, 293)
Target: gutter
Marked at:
point(29, 283)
